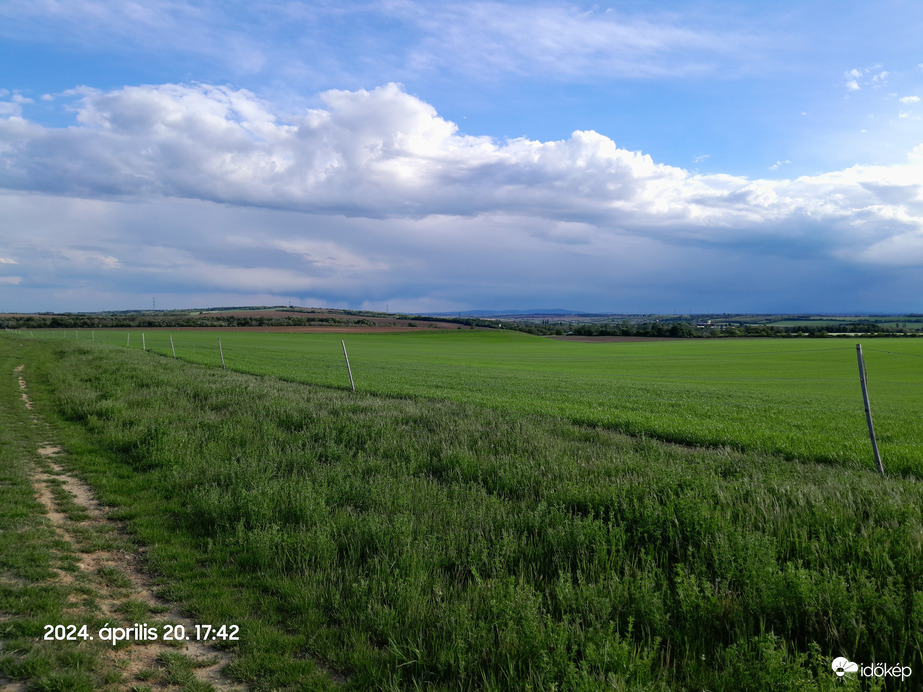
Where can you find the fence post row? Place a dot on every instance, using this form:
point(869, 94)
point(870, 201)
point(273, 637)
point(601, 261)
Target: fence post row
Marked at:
point(868, 411)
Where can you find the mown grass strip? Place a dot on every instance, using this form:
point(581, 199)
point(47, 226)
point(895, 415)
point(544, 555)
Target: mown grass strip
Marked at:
point(407, 543)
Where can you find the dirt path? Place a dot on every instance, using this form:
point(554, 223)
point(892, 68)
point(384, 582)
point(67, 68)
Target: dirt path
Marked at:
point(110, 570)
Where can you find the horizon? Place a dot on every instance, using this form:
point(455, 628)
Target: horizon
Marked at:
point(451, 157)
point(471, 313)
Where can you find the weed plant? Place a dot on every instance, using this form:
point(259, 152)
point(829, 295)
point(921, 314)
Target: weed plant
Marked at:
point(399, 543)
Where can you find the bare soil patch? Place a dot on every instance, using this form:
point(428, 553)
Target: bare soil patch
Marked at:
point(22, 388)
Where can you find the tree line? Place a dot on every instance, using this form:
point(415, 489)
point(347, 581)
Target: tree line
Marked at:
point(93, 321)
point(686, 330)
point(661, 329)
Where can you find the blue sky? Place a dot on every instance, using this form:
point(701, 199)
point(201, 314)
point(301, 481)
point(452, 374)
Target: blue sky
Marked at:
point(435, 156)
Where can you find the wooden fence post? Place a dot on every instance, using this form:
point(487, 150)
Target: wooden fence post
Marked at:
point(868, 411)
point(222, 354)
point(173, 347)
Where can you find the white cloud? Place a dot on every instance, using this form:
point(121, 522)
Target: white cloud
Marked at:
point(11, 280)
point(373, 195)
point(318, 254)
point(384, 153)
point(8, 108)
point(873, 77)
point(7, 260)
point(563, 40)
point(88, 258)
point(909, 99)
point(282, 39)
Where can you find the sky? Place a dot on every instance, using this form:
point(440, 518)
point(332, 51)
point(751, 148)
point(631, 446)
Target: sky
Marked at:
point(417, 156)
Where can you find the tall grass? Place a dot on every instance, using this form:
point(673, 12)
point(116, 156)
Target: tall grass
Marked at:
point(418, 542)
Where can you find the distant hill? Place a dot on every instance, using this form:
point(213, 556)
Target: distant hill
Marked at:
point(507, 313)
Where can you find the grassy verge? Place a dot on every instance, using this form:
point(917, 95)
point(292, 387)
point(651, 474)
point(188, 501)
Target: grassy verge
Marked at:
point(400, 543)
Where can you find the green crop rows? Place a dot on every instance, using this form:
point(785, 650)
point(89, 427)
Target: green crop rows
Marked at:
point(799, 398)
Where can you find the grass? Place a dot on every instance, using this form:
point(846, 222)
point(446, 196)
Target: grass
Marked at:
point(797, 398)
point(395, 543)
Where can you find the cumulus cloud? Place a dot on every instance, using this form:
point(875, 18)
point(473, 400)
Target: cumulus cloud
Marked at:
point(859, 78)
point(384, 153)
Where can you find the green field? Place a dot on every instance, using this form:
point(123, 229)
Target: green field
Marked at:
point(796, 398)
point(471, 518)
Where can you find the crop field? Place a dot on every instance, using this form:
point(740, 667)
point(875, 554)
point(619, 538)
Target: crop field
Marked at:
point(797, 398)
point(474, 515)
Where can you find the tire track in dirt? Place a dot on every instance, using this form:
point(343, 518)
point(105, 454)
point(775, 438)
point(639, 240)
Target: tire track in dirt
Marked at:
point(111, 568)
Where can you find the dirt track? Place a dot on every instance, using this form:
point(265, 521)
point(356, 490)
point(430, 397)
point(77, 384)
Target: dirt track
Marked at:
point(115, 575)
